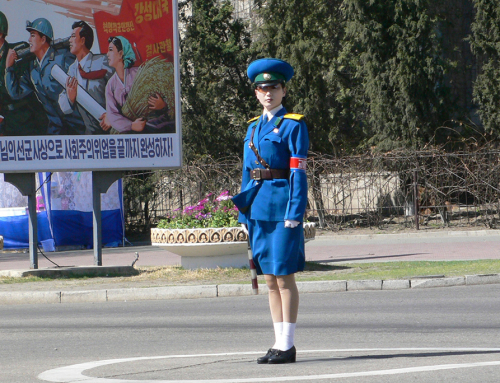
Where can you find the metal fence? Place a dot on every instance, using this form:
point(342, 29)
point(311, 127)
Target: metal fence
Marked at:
point(409, 189)
point(151, 196)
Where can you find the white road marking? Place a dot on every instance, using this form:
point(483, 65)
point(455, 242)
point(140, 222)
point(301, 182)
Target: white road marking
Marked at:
point(74, 373)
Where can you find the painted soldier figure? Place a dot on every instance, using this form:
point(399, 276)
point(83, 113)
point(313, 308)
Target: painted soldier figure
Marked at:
point(38, 78)
point(23, 117)
point(91, 72)
point(273, 199)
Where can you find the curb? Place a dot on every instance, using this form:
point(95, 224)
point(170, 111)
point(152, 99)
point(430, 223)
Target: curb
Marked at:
point(430, 234)
point(226, 290)
point(53, 272)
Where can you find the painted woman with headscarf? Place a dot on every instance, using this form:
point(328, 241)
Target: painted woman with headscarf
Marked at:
point(121, 56)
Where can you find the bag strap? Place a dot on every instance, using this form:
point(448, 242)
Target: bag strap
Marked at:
point(277, 124)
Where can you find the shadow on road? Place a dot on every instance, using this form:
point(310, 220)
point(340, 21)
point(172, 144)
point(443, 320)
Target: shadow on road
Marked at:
point(361, 258)
point(403, 355)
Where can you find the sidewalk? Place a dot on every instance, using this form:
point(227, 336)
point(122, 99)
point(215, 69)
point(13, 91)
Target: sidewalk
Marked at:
point(327, 248)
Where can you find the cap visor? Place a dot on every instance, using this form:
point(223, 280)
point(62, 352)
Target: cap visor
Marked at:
point(268, 83)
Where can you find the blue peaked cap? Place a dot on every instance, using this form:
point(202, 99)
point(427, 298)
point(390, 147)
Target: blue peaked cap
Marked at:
point(269, 70)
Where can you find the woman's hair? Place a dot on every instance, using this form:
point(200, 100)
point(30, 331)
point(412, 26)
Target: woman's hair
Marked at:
point(122, 44)
point(116, 41)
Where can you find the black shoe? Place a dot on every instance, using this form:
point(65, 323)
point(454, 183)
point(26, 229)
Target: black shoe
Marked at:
point(264, 359)
point(287, 356)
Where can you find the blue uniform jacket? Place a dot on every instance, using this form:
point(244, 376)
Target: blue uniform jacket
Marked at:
point(277, 199)
point(47, 90)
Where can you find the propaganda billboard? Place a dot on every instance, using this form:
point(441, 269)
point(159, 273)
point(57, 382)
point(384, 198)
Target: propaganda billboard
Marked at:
point(89, 85)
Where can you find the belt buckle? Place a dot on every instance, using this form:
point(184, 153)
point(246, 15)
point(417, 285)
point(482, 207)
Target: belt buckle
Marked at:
point(256, 174)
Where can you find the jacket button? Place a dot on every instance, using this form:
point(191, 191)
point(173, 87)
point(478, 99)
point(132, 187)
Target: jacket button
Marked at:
point(256, 162)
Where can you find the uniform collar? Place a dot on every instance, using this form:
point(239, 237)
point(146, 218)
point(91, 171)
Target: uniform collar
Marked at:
point(49, 55)
point(268, 127)
point(272, 112)
point(43, 58)
point(84, 60)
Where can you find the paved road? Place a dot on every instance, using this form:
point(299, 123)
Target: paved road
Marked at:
point(440, 245)
point(432, 335)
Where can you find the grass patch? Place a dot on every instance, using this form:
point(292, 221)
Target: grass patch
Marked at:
point(176, 275)
point(10, 280)
point(402, 270)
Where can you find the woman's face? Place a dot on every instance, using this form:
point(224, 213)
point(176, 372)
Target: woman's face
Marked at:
point(114, 55)
point(270, 96)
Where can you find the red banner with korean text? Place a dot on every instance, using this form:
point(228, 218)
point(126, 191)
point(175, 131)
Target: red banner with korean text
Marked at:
point(147, 24)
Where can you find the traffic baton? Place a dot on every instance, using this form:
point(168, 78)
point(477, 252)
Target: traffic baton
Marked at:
point(253, 270)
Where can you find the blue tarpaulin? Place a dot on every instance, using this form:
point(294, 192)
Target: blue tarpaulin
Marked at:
point(65, 213)
point(15, 230)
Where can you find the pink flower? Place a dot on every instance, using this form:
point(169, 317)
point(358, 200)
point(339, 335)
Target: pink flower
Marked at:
point(223, 196)
point(189, 210)
point(203, 201)
point(202, 216)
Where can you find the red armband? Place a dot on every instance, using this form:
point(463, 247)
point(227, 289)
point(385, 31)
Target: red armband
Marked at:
point(297, 163)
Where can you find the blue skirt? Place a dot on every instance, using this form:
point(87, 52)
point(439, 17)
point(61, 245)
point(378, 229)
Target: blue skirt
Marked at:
point(276, 250)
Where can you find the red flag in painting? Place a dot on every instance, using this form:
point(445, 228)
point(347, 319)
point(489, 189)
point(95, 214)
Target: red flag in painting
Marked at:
point(146, 24)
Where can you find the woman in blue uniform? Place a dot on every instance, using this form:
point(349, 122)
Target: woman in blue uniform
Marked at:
point(273, 199)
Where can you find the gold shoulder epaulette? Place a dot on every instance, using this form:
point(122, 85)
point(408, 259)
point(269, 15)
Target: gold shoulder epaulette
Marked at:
point(253, 119)
point(294, 116)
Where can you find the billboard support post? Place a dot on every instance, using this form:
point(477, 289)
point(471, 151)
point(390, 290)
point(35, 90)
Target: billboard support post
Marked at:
point(26, 184)
point(101, 181)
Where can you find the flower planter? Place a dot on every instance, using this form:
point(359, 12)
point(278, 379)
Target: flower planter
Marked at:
point(210, 247)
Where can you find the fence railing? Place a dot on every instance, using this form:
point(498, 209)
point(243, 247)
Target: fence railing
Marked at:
point(408, 189)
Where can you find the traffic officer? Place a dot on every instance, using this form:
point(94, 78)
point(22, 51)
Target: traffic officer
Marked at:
point(23, 117)
point(38, 77)
point(273, 199)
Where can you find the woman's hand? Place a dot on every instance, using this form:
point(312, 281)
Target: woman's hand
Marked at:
point(104, 122)
point(138, 125)
point(156, 102)
point(290, 223)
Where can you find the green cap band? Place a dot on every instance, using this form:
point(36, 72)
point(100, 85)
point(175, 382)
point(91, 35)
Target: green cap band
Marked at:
point(269, 76)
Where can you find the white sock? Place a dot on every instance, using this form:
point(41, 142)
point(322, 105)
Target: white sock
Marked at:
point(278, 330)
point(288, 336)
